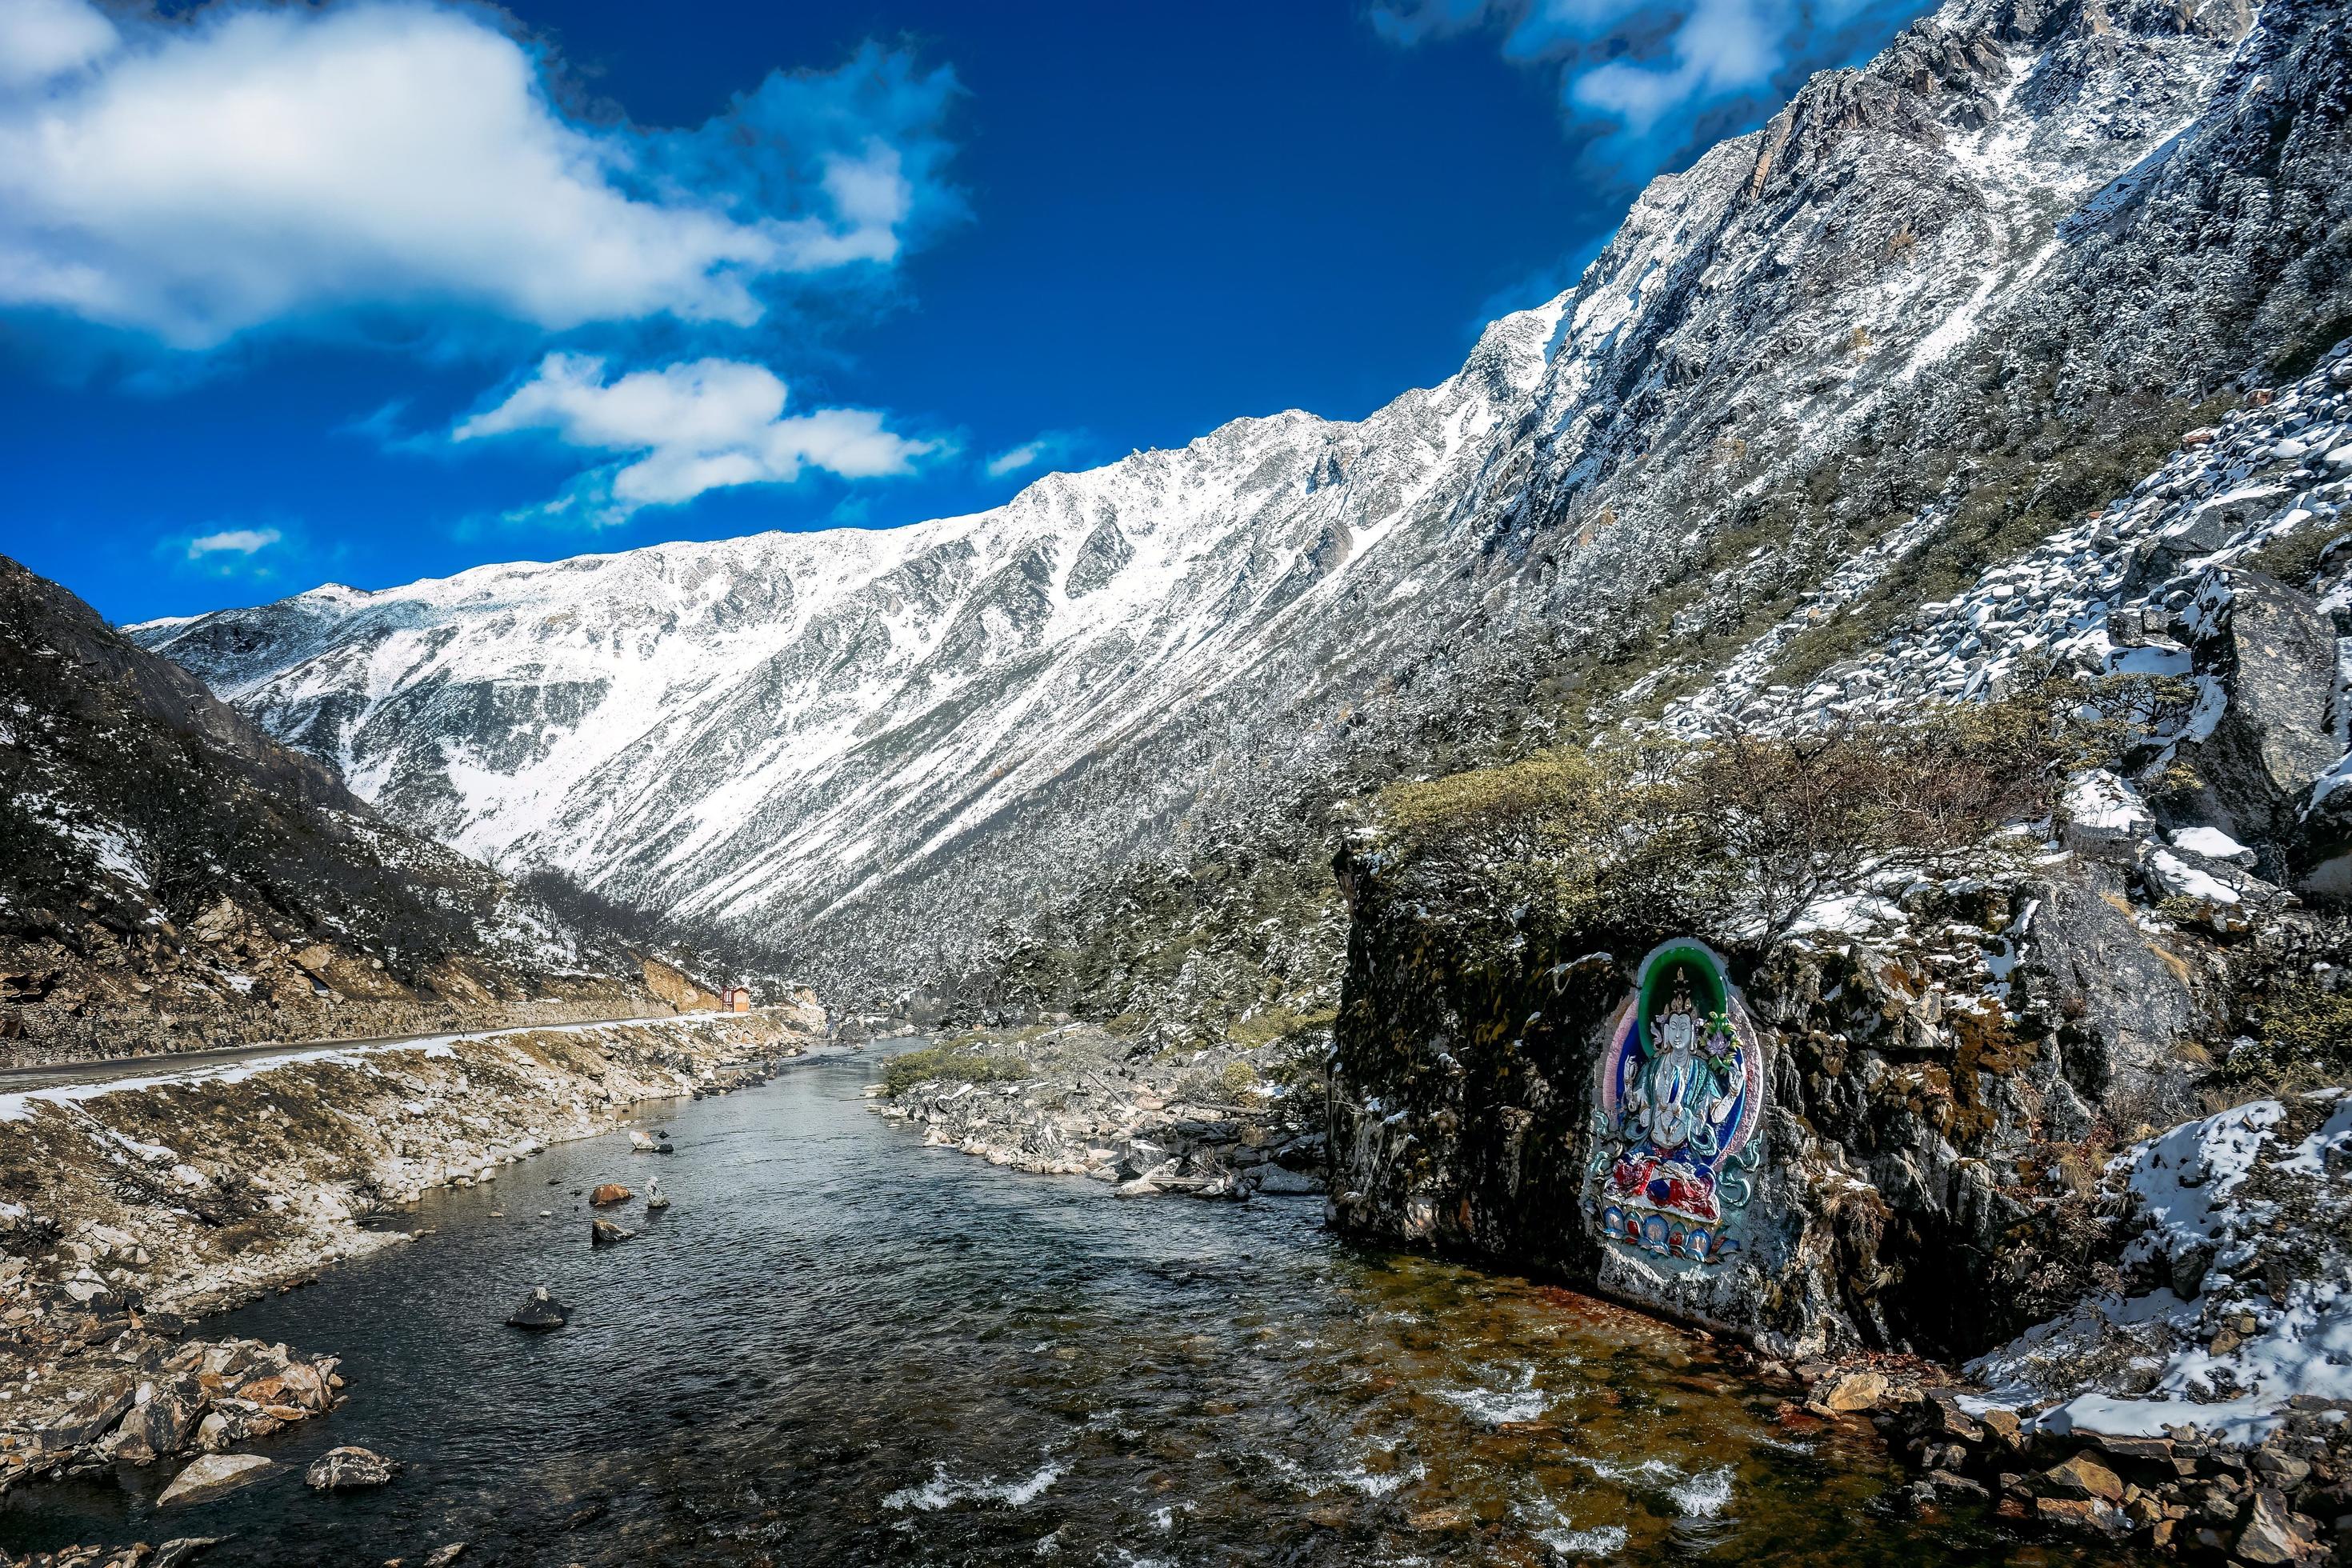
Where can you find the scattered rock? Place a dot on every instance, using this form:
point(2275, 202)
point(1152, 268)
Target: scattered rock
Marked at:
point(1854, 1392)
point(1275, 1180)
point(605, 1233)
point(2149, 1450)
point(2082, 1514)
point(2274, 1533)
point(540, 1311)
point(1951, 1483)
point(609, 1194)
point(210, 1476)
point(2084, 1477)
point(350, 1469)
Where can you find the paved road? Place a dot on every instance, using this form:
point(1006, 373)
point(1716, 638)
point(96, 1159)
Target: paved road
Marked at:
point(56, 1075)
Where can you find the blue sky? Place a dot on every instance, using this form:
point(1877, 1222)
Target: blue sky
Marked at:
point(368, 291)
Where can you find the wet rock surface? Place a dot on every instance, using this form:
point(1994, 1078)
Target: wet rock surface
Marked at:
point(93, 1384)
point(172, 1554)
point(211, 1475)
point(539, 1312)
point(350, 1469)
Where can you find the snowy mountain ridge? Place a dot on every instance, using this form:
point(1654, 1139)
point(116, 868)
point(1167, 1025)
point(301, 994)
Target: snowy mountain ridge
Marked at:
point(838, 640)
point(1798, 355)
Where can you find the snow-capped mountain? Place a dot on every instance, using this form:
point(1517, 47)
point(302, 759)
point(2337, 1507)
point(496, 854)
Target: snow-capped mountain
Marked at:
point(1939, 284)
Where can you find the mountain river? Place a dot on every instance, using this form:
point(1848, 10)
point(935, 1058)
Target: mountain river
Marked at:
point(840, 1347)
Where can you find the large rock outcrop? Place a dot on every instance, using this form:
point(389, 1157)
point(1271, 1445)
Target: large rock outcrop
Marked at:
point(1939, 1069)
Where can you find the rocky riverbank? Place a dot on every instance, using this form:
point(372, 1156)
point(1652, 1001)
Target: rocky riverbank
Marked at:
point(1220, 1122)
point(2189, 1488)
point(2203, 1405)
point(136, 1205)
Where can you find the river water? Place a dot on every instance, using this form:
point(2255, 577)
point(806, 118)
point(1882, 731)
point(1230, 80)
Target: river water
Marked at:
point(841, 1347)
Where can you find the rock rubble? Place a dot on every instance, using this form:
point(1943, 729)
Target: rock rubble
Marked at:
point(1214, 1122)
point(2184, 1491)
point(2115, 594)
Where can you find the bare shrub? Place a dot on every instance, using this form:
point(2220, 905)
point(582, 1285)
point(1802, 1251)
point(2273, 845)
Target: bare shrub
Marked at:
point(1739, 835)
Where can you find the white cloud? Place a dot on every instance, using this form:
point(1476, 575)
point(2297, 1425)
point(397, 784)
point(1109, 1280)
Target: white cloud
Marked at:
point(40, 39)
point(1647, 78)
point(1724, 47)
point(1049, 447)
point(246, 541)
point(196, 179)
point(700, 425)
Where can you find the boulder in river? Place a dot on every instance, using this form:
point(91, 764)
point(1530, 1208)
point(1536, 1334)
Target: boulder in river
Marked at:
point(609, 1194)
point(540, 1311)
point(1275, 1181)
point(350, 1469)
point(209, 1476)
point(605, 1233)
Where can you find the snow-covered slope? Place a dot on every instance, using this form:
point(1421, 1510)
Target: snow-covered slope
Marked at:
point(2219, 1327)
point(2019, 219)
point(765, 723)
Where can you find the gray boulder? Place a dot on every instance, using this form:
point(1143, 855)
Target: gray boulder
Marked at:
point(350, 1469)
point(210, 1476)
point(2271, 651)
point(2119, 999)
point(1275, 1181)
point(540, 1311)
point(167, 1422)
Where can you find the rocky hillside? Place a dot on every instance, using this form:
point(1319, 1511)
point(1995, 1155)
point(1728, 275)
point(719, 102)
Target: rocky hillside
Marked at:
point(1934, 310)
point(172, 877)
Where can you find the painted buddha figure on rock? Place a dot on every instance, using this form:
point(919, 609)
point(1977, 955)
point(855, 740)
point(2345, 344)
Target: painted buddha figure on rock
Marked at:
point(1679, 1100)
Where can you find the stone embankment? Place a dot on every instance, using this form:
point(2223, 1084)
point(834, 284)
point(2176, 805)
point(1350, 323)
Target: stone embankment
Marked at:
point(1223, 1122)
point(136, 1205)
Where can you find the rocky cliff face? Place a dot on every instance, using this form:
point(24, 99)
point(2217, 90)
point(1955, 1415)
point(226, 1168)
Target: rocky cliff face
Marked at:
point(172, 877)
point(1896, 333)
